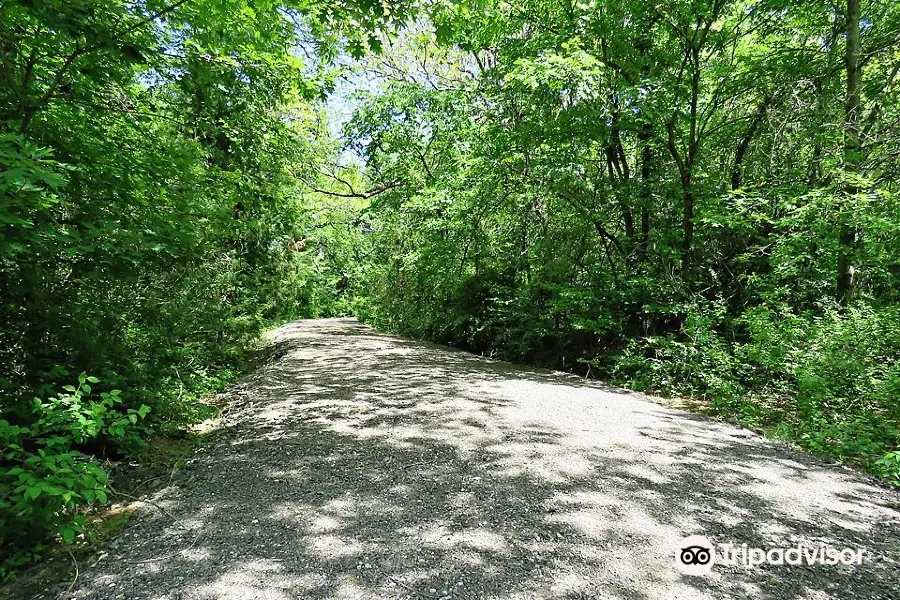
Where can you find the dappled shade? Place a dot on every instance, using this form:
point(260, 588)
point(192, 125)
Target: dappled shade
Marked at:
point(362, 465)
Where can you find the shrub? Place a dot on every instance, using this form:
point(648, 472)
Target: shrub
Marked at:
point(889, 467)
point(695, 360)
point(834, 372)
point(46, 477)
point(826, 379)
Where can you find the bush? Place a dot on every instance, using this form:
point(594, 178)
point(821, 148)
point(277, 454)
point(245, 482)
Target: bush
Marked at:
point(888, 466)
point(696, 360)
point(826, 379)
point(46, 478)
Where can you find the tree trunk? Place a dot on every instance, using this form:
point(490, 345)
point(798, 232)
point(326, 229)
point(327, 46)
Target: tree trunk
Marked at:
point(644, 137)
point(737, 172)
point(687, 226)
point(849, 236)
point(687, 221)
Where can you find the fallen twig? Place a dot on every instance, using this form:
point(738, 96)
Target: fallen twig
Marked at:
point(147, 501)
point(72, 585)
point(168, 556)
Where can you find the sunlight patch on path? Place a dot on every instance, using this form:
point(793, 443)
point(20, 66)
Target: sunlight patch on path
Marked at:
point(367, 466)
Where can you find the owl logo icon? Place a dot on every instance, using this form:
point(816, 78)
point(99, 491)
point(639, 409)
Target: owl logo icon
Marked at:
point(695, 555)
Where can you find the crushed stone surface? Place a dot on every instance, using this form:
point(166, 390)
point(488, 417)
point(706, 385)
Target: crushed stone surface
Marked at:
point(360, 465)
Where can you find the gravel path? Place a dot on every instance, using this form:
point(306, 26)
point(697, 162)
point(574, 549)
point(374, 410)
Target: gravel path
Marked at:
point(361, 465)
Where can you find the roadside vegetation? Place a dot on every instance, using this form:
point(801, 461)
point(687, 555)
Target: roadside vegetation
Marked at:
point(696, 198)
point(152, 223)
point(692, 198)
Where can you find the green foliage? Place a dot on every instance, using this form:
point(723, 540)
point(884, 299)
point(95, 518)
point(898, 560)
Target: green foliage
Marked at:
point(840, 369)
point(694, 198)
point(889, 467)
point(826, 380)
point(46, 479)
point(696, 360)
point(153, 219)
point(663, 196)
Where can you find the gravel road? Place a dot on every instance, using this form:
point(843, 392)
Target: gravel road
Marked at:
point(360, 465)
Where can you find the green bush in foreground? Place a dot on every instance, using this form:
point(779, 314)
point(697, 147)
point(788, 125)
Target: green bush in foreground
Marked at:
point(47, 478)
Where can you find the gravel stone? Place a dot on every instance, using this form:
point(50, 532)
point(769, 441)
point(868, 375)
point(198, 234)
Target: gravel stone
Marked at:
point(359, 465)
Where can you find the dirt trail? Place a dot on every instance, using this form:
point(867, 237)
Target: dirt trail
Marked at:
point(361, 465)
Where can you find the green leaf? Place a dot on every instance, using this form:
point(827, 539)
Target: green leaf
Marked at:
point(68, 533)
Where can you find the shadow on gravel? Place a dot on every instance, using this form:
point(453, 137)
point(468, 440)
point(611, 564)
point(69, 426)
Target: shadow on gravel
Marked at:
point(361, 465)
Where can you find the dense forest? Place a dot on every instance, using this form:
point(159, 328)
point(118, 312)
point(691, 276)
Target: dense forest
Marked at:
point(692, 197)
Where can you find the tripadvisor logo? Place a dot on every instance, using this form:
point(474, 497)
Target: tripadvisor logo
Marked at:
point(696, 555)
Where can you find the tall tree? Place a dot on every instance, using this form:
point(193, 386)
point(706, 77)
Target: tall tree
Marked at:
point(853, 154)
